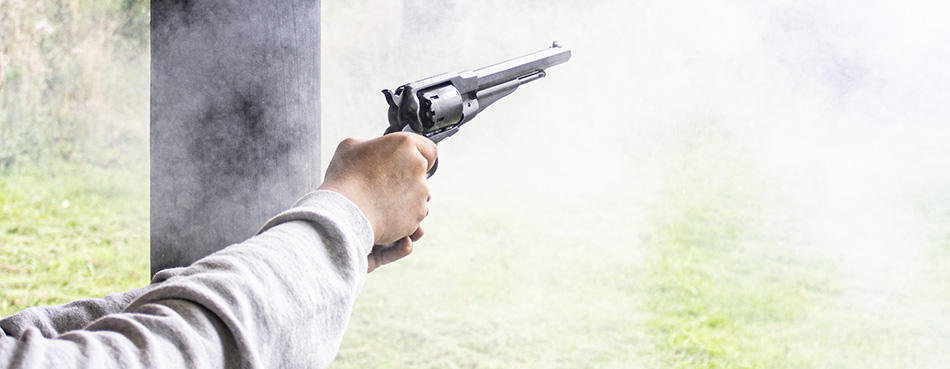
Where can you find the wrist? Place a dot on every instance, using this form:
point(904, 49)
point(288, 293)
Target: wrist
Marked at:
point(321, 206)
point(362, 204)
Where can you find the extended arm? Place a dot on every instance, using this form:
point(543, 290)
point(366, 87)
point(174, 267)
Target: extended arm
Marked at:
point(280, 299)
point(51, 321)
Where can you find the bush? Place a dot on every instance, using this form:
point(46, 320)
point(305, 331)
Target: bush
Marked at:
point(76, 82)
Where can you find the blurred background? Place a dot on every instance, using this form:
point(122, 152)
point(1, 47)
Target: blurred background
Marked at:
point(727, 185)
point(732, 184)
point(73, 150)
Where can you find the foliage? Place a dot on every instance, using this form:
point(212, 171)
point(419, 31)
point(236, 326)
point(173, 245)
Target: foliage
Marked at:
point(76, 81)
point(73, 150)
point(714, 266)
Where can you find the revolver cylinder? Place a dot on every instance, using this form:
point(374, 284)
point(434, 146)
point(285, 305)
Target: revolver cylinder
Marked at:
point(437, 106)
point(440, 107)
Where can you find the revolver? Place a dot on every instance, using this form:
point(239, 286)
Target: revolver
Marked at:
point(436, 107)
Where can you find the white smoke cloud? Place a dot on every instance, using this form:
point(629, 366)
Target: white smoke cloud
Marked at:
point(843, 102)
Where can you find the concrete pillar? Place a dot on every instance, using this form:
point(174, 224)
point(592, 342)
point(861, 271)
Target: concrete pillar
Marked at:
point(235, 120)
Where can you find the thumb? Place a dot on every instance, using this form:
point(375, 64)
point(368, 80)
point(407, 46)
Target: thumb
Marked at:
point(427, 148)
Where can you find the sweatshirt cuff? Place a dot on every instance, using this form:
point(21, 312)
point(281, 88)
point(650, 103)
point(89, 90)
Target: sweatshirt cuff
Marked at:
point(319, 206)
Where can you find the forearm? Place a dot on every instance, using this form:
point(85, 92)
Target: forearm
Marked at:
point(280, 299)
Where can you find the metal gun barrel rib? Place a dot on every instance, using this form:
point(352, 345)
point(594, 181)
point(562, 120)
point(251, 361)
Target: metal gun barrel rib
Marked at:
point(502, 72)
point(437, 106)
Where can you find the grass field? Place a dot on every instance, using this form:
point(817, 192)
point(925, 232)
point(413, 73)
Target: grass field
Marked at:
point(73, 150)
point(684, 225)
point(69, 232)
point(721, 260)
point(715, 264)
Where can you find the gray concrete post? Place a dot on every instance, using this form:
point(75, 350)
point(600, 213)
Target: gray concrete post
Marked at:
point(235, 120)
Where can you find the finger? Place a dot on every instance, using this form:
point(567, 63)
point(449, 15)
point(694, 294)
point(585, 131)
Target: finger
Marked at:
point(417, 234)
point(427, 148)
point(382, 256)
point(385, 255)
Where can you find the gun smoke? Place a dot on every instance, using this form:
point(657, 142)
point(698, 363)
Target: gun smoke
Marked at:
point(840, 105)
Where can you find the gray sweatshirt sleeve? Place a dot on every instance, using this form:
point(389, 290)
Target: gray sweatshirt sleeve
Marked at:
point(50, 321)
point(281, 299)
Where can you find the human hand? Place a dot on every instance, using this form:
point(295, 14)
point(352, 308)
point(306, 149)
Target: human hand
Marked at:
point(385, 254)
point(386, 178)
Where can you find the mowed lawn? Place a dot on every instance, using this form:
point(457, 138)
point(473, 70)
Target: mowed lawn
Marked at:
point(694, 255)
point(70, 231)
point(706, 252)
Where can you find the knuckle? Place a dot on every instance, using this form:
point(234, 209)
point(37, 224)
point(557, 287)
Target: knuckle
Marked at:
point(347, 143)
point(424, 188)
point(420, 166)
point(402, 138)
point(422, 210)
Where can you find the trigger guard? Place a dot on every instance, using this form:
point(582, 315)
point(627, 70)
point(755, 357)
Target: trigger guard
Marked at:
point(432, 170)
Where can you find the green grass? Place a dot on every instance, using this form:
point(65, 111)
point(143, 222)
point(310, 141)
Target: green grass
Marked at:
point(714, 265)
point(69, 232)
point(686, 251)
point(74, 102)
point(722, 291)
point(702, 269)
point(480, 294)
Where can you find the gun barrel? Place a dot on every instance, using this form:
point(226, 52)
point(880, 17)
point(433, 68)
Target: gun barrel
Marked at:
point(505, 71)
point(437, 106)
